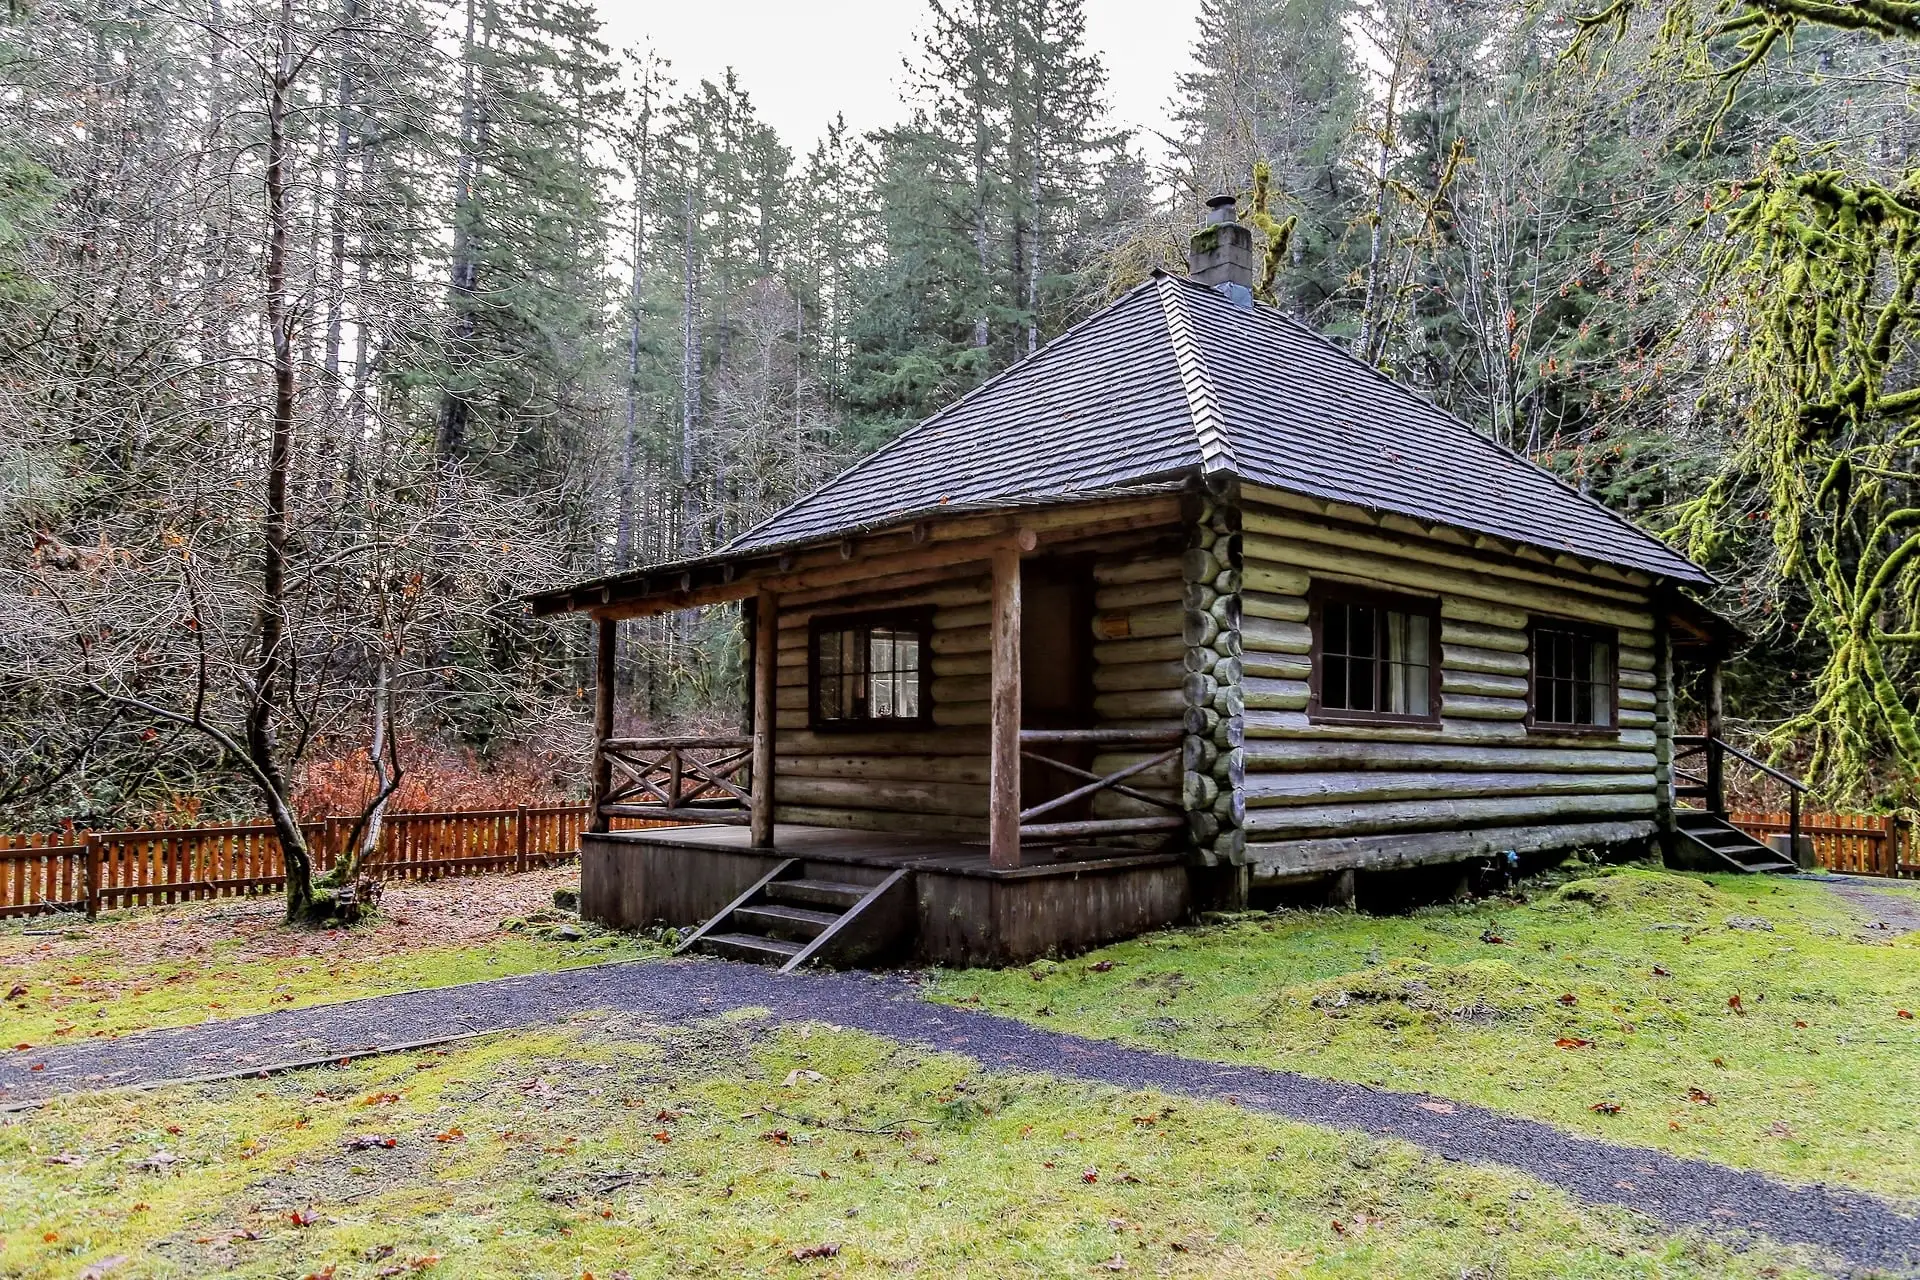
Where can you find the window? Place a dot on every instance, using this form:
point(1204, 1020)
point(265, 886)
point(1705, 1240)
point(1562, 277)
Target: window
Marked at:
point(866, 670)
point(1573, 677)
point(1373, 657)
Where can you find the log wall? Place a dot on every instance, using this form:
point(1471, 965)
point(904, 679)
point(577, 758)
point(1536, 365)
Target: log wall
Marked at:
point(1323, 796)
point(933, 781)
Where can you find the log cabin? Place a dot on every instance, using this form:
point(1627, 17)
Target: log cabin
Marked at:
point(1187, 603)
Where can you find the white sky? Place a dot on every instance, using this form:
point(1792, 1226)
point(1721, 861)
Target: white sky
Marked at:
point(802, 62)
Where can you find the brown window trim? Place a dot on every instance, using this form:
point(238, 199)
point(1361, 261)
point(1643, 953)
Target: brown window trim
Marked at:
point(1593, 632)
point(1319, 594)
point(919, 620)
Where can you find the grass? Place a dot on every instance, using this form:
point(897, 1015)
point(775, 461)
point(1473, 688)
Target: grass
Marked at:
point(137, 970)
point(611, 1149)
point(1614, 989)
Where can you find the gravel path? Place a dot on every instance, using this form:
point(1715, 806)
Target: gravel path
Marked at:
point(1896, 910)
point(1864, 1230)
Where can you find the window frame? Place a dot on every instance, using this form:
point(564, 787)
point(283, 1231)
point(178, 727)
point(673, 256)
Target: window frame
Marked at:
point(1570, 626)
point(1320, 594)
point(918, 620)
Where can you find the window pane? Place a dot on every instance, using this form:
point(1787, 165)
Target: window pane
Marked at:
point(1602, 668)
point(1334, 621)
point(1333, 683)
point(1361, 640)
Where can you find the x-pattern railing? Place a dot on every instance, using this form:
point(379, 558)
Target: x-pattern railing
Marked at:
point(1115, 781)
point(690, 777)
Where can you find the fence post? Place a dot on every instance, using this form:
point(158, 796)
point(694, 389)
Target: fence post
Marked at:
point(520, 838)
point(93, 874)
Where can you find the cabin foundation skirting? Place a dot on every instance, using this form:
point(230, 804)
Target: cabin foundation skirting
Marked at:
point(962, 914)
point(1291, 859)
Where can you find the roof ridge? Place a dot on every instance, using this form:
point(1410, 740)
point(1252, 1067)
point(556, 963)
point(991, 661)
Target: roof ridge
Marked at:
point(860, 464)
point(1401, 389)
point(1203, 402)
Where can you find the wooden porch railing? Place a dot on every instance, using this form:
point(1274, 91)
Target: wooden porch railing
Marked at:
point(93, 871)
point(1144, 739)
point(1711, 786)
point(687, 779)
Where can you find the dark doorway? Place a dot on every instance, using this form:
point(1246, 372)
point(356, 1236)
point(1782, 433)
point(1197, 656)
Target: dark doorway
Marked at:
point(1056, 673)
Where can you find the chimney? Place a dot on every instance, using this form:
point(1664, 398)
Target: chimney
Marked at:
point(1222, 253)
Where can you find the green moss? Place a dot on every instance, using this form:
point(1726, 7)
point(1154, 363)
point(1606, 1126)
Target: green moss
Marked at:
point(94, 991)
point(728, 1149)
point(1610, 988)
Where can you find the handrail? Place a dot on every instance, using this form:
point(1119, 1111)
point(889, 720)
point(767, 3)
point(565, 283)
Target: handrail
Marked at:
point(663, 744)
point(1714, 786)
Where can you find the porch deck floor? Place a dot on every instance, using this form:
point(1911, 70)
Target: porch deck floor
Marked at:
point(891, 849)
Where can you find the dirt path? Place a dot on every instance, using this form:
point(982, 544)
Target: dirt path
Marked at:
point(1886, 905)
point(1863, 1230)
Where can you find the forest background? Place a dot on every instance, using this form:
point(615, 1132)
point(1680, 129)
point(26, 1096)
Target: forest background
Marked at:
point(327, 327)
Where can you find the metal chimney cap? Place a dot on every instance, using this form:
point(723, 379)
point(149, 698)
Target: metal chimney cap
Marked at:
point(1221, 210)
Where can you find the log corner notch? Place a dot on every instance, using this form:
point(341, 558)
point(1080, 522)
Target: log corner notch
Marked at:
point(605, 635)
point(1214, 756)
point(1003, 772)
point(766, 631)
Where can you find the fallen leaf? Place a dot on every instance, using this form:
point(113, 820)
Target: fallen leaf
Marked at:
point(1605, 1108)
point(450, 1135)
point(370, 1141)
point(1733, 1003)
point(809, 1252)
point(1660, 972)
point(663, 1136)
point(1103, 966)
point(1720, 1062)
point(1569, 1000)
point(19, 990)
point(1490, 936)
point(1904, 1013)
point(1090, 1176)
point(303, 1217)
point(1800, 1024)
point(1571, 1042)
point(1699, 1095)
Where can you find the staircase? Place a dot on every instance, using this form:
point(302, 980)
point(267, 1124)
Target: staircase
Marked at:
point(1725, 847)
point(804, 912)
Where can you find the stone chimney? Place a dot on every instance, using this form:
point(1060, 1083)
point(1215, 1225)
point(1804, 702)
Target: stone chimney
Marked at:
point(1222, 253)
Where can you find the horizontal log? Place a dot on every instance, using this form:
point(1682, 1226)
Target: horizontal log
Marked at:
point(1162, 777)
point(732, 817)
point(963, 664)
point(1275, 637)
point(1257, 604)
point(1092, 827)
point(1285, 859)
point(1117, 652)
point(1637, 680)
point(791, 697)
point(1165, 674)
point(917, 740)
point(1060, 521)
point(1270, 790)
point(1460, 657)
point(1483, 684)
point(967, 615)
point(1144, 622)
point(1414, 576)
point(963, 640)
point(1296, 725)
point(1164, 736)
point(1268, 754)
point(1143, 569)
point(1273, 535)
point(1465, 609)
point(1636, 699)
point(1636, 659)
point(889, 795)
point(1635, 719)
point(951, 689)
point(971, 769)
point(1278, 666)
point(949, 585)
point(717, 741)
point(924, 824)
point(1273, 695)
point(1477, 636)
point(958, 714)
point(1468, 707)
point(1144, 704)
point(1135, 594)
point(1313, 821)
point(1271, 576)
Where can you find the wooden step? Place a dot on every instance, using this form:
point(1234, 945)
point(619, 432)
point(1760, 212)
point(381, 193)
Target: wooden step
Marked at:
point(748, 946)
point(820, 893)
point(777, 920)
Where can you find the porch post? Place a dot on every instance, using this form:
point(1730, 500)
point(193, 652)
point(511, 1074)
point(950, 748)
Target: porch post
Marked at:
point(1716, 733)
point(602, 721)
point(1003, 773)
point(766, 634)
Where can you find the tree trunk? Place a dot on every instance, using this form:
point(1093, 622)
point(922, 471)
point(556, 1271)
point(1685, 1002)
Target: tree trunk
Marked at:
point(263, 702)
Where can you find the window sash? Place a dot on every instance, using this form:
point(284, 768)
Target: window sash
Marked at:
point(868, 673)
point(1375, 660)
point(1573, 679)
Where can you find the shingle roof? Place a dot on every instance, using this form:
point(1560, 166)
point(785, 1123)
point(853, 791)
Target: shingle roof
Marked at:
point(1175, 377)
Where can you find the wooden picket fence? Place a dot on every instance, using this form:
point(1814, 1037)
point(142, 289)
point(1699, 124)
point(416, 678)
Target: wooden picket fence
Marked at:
point(1858, 843)
point(93, 871)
